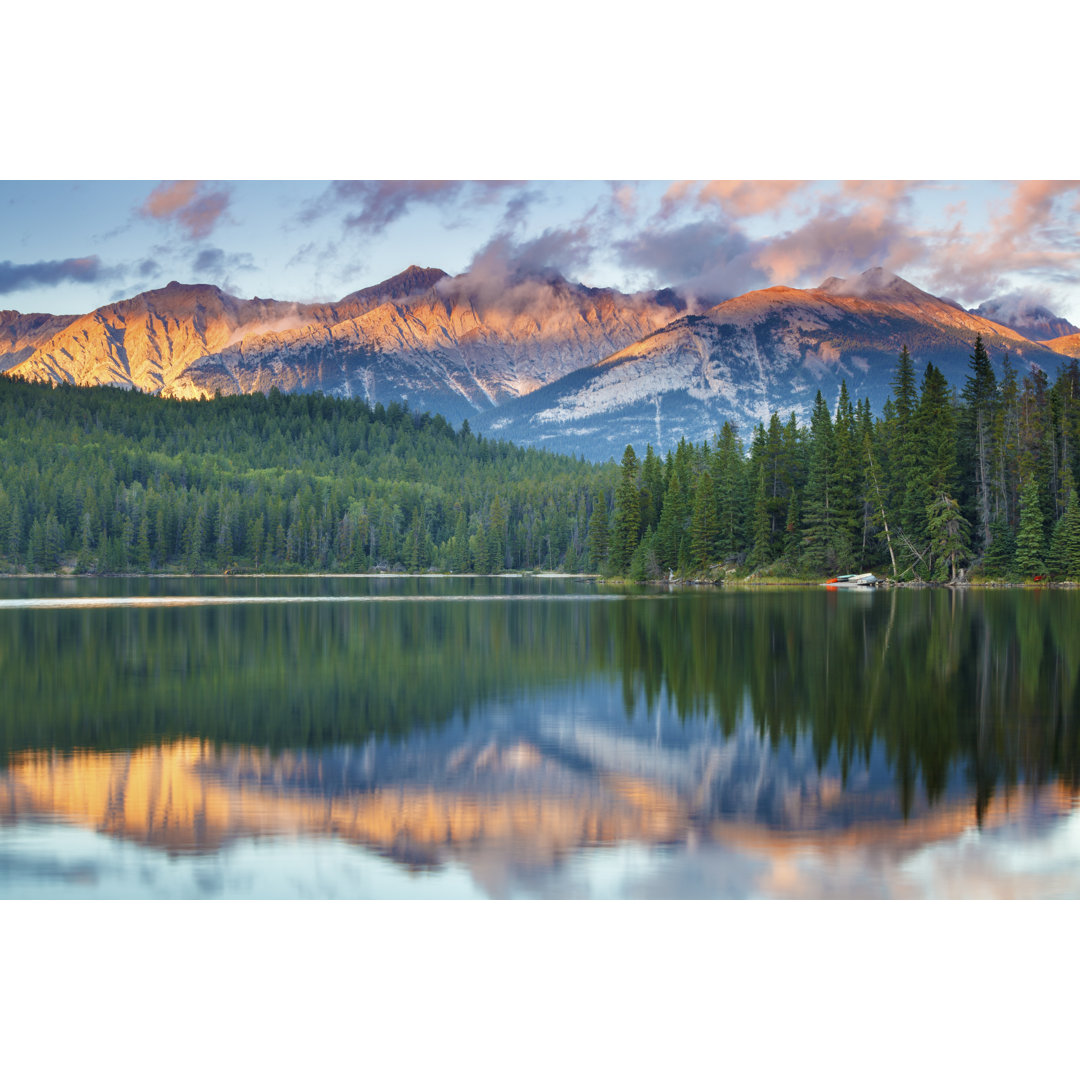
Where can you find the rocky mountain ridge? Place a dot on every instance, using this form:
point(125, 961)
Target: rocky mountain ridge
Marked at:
point(762, 352)
point(537, 360)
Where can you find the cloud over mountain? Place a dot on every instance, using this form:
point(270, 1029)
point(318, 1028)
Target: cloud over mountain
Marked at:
point(195, 206)
point(372, 205)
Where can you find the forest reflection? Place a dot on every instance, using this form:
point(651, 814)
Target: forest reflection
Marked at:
point(977, 689)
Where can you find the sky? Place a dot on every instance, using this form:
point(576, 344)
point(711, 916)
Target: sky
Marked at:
point(69, 246)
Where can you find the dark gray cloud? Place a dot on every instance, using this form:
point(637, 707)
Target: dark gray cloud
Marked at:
point(372, 205)
point(87, 270)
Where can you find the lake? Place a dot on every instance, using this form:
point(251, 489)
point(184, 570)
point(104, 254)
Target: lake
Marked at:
point(534, 737)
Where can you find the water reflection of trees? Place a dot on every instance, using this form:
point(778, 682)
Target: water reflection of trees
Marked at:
point(976, 686)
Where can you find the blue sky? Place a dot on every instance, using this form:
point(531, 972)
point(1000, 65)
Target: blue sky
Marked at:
point(70, 246)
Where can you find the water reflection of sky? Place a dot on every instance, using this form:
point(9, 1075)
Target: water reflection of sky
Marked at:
point(1022, 860)
point(568, 794)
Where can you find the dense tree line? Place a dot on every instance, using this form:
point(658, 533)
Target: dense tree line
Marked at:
point(946, 479)
point(104, 480)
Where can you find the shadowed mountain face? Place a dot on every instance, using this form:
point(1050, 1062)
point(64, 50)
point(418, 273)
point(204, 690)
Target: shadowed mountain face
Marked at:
point(1032, 320)
point(21, 335)
point(763, 352)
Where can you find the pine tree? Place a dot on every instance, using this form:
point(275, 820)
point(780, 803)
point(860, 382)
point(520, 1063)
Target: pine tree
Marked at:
point(703, 527)
point(980, 399)
point(652, 489)
point(949, 537)
point(998, 559)
point(627, 524)
point(761, 550)
point(1030, 542)
point(1072, 537)
point(669, 531)
point(845, 491)
point(643, 564)
point(901, 459)
point(598, 531)
point(729, 474)
point(819, 541)
point(497, 536)
point(142, 545)
point(1064, 559)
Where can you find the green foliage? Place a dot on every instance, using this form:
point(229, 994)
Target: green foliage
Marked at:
point(703, 530)
point(1064, 560)
point(627, 524)
point(1028, 562)
point(949, 537)
point(109, 481)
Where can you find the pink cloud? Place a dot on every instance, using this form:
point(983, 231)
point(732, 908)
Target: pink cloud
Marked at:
point(194, 204)
point(1034, 231)
point(746, 198)
point(864, 223)
point(737, 198)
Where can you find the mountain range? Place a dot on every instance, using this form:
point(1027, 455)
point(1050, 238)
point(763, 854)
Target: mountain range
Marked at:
point(540, 361)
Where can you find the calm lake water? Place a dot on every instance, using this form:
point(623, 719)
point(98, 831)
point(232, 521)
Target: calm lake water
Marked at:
point(522, 737)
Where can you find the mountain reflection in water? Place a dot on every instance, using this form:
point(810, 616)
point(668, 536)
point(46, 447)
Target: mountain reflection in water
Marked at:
point(788, 743)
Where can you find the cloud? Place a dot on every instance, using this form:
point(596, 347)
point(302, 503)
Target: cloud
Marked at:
point(837, 242)
point(705, 261)
point(87, 270)
point(216, 266)
point(518, 206)
point(1030, 311)
point(1035, 230)
point(520, 275)
point(379, 203)
point(736, 198)
point(195, 205)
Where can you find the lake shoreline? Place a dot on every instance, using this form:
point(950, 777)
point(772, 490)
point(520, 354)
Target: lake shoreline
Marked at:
point(722, 583)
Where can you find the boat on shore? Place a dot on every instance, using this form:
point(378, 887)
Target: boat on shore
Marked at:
point(851, 581)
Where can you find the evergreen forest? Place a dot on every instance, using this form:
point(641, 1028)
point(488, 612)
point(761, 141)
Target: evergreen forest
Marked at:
point(948, 482)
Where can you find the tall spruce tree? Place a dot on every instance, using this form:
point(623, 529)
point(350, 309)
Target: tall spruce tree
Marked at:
point(900, 458)
point(703, 530)
point(980, 401)
point(1030, 542)
point(729, 474)
point(819, 525)
point(626, 527)
point(948, 531)
point(598, 531)
point(847, 483)
point(1064, 559)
